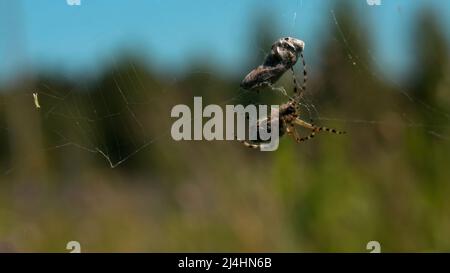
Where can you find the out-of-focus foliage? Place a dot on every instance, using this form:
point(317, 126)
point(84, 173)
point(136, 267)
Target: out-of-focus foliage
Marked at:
point(386, 180)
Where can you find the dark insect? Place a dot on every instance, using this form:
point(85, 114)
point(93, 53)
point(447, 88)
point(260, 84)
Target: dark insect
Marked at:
point(282, 57)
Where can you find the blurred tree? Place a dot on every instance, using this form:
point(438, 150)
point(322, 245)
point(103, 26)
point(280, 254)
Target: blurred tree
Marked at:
point(432, 62)
point(25, 132)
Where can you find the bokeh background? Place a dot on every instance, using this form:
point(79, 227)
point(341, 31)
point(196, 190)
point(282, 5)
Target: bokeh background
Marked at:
point(96, 163)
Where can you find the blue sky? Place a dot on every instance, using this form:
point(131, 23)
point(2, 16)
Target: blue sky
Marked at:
point(80, 39)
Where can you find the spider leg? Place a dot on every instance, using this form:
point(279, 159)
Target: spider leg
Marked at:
point(292, 132)
point(294, 79)
point(280, 89)
point(253, 145)
point(301, 139)
point(305, 124)
point(250, 145)
point(305, 74)
point(315, 129)
point(305, 79)
point(298, 96)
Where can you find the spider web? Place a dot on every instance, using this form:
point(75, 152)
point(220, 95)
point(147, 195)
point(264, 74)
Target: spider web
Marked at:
point(92, 142)
point(84, 118)
point(354, 60)
point(361, 64)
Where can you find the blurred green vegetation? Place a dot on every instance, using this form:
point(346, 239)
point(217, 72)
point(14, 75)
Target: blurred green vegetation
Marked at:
point(386, 180)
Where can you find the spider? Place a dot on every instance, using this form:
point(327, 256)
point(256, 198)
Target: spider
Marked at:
point(288, 116)
point(285, 51)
